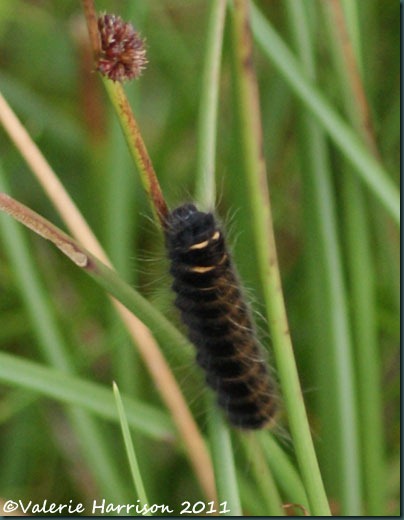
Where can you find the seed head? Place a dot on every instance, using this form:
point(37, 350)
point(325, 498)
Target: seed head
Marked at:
point(123, 55)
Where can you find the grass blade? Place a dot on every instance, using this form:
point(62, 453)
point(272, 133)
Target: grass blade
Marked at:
point(223, 462)
point(369, 170)
point(255, 171)
point(130, 451)
point(359, 254)
point(205, 189)
point(93, 397)
point(55, 350)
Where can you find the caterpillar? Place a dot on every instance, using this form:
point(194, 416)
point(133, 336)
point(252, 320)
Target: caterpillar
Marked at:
point(219, 322)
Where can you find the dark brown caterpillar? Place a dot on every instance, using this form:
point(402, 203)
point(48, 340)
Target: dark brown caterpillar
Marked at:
point(218, 319)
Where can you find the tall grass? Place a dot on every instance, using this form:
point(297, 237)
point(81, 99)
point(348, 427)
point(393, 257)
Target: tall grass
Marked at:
point(333, 191)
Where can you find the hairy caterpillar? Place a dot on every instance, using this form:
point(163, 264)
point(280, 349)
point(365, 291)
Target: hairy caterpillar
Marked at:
point(219, 322)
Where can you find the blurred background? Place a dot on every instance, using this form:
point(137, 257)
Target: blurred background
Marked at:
point(47, 76)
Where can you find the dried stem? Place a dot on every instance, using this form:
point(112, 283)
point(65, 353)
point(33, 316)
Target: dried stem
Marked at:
point(44, 228)
point(358, 90)
point(91, 17)
point(142, 337)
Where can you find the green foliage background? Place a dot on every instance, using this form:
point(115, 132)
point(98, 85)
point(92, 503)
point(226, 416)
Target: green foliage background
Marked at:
point(47, 78)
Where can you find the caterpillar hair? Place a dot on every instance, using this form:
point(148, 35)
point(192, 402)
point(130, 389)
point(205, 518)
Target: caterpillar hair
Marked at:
point(218, 319)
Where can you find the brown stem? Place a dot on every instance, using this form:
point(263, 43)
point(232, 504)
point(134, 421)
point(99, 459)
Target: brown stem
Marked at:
point(148, 174)
point(91, 18)
point(43, 227)
point(358, 90)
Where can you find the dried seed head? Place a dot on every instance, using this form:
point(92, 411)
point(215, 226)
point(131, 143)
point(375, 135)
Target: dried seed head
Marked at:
point(123, 55)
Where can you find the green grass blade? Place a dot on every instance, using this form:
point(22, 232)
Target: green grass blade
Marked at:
point(271, 502)
point(103, 275)
point(55, 351)
point(259, 203)
point(369, 170)
point(223, 461)
point(205, 189)
point(360, 265)
point(93, 397)
point(284, 472)
point(321, 194)
point(130, 451)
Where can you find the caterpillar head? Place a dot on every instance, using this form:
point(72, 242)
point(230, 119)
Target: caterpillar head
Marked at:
point(187, 226)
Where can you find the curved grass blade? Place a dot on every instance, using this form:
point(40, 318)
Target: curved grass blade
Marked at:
point(93, 397)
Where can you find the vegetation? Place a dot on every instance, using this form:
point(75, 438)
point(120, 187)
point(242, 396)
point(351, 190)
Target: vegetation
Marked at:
point(328, 79)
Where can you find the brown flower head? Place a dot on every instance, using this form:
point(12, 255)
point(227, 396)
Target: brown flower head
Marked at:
point(123, 55)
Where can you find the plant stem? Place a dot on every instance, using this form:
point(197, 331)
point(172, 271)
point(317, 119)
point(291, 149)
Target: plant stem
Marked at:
point(268, 262)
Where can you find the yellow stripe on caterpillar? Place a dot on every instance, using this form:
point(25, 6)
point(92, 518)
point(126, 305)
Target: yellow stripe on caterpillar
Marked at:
point(201, 269)
point(223, 259)
point(201, 245)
